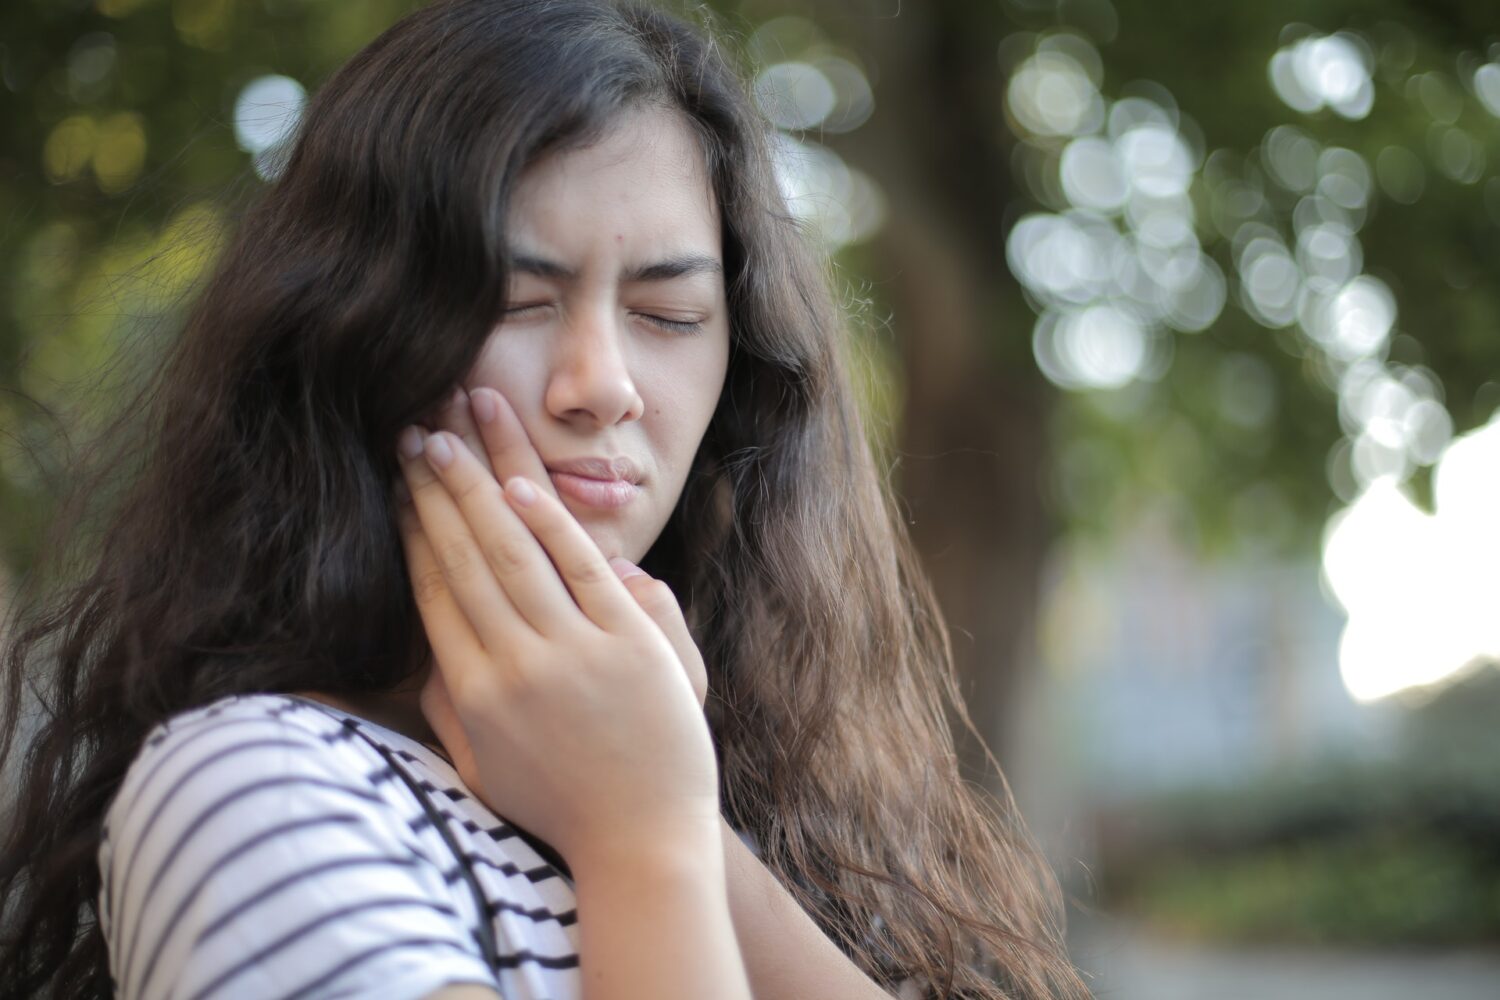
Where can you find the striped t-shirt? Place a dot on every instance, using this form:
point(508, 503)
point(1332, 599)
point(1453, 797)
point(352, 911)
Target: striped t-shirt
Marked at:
point(260, 848)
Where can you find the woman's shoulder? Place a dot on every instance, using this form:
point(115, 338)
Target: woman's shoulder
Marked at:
point(245, 754)
point(240, 735)
point(258, 838)
point(288, 715)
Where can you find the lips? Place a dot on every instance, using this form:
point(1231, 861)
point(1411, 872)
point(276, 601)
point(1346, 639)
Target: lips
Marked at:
point(604, 483)
point(620, 468)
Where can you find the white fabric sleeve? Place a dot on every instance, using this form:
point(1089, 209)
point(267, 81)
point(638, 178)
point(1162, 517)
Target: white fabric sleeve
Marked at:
point(252, 858)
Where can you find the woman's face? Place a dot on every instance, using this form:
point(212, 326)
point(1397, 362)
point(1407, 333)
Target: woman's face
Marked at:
point(616, 339)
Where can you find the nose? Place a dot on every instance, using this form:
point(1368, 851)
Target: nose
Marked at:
point(590, 381)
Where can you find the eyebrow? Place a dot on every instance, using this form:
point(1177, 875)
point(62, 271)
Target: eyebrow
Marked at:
point(676, 266)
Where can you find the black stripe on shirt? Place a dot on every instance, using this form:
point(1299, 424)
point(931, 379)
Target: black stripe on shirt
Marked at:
point(144, 835)
point(189, 775)
point(167, 755)
point(307, 988)
point(545, 961)
point(226, 918)
point(540, 873)
point(541, 915)
point(225, 859)
point(307, 927)
point(224, 801)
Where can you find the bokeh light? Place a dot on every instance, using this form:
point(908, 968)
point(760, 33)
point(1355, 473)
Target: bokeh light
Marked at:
point(1100, 347)
point(1053, 94)
point(1456, 153)
point(1120, 261)
point(112, 146)
point(266, 115)
point(853, 102)
point(91, 65)
point(795, 95)
point(1421, 590)
point(1325, 71)
point(1487, 87)
point(842, 204)
point(806, 85)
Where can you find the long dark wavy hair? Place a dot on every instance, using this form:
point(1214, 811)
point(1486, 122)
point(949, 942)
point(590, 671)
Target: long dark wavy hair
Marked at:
point(250, 546)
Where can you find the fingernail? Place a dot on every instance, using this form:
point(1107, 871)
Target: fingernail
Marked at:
point(409, 442)
point(438, 450)
point(483, 405)
point(521, 491)
point(625, 568)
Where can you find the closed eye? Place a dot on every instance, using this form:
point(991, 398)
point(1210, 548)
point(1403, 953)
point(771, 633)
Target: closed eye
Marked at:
point(517, 310)
point(673, 325)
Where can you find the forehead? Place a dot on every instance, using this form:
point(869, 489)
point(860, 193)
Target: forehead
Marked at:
point(643, 184)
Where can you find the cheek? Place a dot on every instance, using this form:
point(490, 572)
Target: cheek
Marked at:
point(511, 366)
point(681, 394)
point(677, 436)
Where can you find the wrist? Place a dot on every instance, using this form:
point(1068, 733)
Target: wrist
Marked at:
point(690, 849)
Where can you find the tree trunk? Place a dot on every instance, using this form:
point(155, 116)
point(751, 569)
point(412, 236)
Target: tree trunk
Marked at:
point(972, 442)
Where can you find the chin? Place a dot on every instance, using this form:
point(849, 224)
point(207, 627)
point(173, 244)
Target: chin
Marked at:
point(608, 540)
point(615, 538)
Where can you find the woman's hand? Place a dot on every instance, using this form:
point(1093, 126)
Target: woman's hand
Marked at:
point(494, 434)
point(578, 720)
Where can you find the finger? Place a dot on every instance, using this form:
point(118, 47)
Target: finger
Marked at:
point(515, 557)
point(591, 581)
point(656, 599)
point(511, 452)
point(458, 416)
point(453, 640)
point(462, 565)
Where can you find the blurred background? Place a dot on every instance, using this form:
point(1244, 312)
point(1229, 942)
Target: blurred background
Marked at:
point(1180, 325)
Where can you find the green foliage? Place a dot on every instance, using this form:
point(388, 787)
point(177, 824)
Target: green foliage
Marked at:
point(1370, 890)
point(118, 162)
point(1269, 482)
point(1402, 850)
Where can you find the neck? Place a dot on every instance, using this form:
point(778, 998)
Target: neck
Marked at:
point(398, 710)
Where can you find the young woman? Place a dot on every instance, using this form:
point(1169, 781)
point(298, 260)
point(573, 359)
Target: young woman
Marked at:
point(506, 600)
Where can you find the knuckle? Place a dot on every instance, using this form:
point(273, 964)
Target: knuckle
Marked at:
point(429, 585)
point(588, 572)
point(646, 654)
point(506, 556)
point(659, 592)
point(423, 485)
point(454, 557)
point(657, 597)
point(477, 488)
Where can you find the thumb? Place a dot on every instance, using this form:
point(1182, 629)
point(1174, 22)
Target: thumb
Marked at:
point(656, 599)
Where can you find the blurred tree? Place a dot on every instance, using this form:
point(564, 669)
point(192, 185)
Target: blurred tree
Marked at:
point(1246, 415)
point(118, 158)
point(973, 430)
